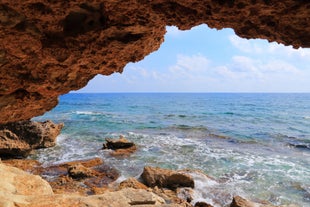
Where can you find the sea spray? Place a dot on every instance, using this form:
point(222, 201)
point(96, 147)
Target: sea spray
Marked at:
point(249, 143)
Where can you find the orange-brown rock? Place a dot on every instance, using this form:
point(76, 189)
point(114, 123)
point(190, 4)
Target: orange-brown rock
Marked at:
point(31, 166)
point(164, 178)
point(241, 202)
point(17, 139)
point(132, 183)
point(21, 189)
point(86, 177)
point(48, 48)
point(120, 147)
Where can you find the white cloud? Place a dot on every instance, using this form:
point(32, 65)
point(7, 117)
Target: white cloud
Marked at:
point(261, 48)
point(190, 64)
point(196, 73)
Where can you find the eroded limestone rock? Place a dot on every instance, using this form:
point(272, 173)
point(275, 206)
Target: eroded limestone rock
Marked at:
point(17, 139)
point(48, 48)
point(120, 147)
point(25, 190)
point(164, 178)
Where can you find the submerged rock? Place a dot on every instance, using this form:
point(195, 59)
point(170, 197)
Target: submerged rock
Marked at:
point(18, 139)
point(120, 146)
point(164, 178)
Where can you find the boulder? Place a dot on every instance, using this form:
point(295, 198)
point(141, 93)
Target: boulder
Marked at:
point(120, 146)
point(132, 183)
point(12, 146)
point(121, 143)
point(19, 138)
point(164, 178)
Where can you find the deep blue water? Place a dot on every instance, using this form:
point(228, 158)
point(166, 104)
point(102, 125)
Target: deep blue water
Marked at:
point(254, 145)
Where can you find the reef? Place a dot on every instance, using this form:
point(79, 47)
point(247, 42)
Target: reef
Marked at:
point(48, 48)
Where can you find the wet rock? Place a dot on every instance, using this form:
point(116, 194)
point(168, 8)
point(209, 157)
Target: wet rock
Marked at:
point(19, 138)
point(202, 204)
point(132, 183)
point(170, 196)
point(120, 147)
point(121, 143)
point(186, 194)
point(241, 202)
point(83, 176)
point(78, 171)
point(164, 178)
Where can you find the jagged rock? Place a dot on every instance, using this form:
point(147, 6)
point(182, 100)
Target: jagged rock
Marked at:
point(83, 176)
point(19, 138)
point(49, 48)
point(120, 143)
point(12, 146)
point(120, 146)
point(164, 178)
point(132, 183)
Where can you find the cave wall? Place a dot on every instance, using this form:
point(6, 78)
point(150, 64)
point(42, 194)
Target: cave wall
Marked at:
point(50, 47)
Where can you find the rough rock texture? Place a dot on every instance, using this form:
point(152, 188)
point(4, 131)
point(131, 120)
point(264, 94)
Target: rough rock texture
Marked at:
point(20, 189)
point(86, 177)
point(132, 183)
point(120, 147)
point(164, 178)
point(48, 48)
point(19, 138)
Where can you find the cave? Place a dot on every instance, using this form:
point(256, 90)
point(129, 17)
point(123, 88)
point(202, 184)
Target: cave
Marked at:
point(49, 48)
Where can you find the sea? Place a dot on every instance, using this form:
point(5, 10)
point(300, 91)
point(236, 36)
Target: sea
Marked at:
point(255, 145)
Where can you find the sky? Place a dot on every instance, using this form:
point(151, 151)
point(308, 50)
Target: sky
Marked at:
point(210, 60)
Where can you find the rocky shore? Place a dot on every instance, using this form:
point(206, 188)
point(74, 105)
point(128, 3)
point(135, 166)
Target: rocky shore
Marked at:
point(27, 183)
point(91, 183)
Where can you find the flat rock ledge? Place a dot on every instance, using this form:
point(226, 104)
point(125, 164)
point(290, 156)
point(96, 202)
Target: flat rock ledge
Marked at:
point(18, 139)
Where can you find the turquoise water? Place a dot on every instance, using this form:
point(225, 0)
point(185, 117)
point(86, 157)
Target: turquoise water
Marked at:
point(253, 145)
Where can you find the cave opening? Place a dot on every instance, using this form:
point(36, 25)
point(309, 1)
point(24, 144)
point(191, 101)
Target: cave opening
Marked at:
point(219, 104)
point(210, 60)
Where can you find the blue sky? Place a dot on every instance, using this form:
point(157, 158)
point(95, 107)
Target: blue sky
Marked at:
point(209, 60)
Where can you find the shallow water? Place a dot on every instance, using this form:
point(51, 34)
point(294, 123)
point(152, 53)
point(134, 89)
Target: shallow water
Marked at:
point(254, 145)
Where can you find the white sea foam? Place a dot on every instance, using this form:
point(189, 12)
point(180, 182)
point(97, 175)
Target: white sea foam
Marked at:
point(88, 113)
